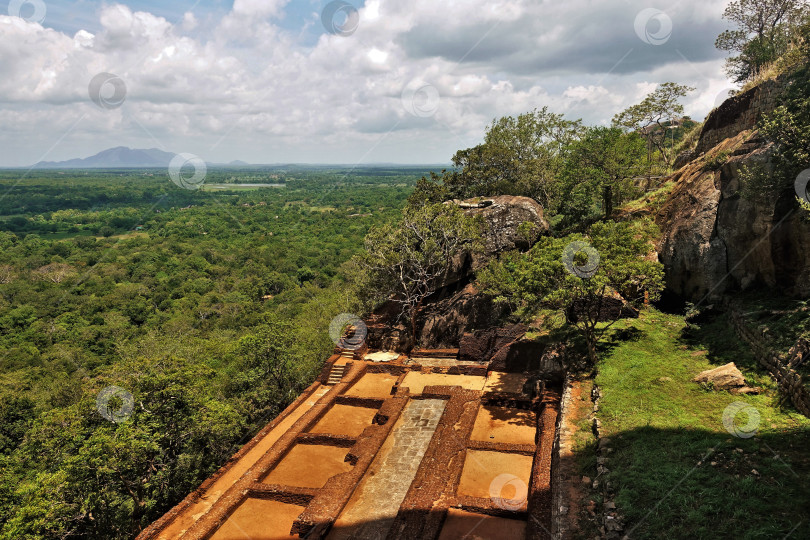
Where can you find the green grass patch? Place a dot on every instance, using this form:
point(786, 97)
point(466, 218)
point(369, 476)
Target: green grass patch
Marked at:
point(677, 471)
point(652, 201)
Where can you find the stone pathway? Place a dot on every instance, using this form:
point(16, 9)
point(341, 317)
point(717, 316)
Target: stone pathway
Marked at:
point(370, 516)
point(440, 362)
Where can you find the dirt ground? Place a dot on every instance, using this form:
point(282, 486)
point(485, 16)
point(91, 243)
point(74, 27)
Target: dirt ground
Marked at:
point(416, 381)
point(498, 381)
point(345, 420)
point(505, 425)
point(177, 527)
point(373, 385)
point(251, 521)
point(376, 498)
point(481, 468)
point(578, 409)
point(468, 526)
point(309, 465)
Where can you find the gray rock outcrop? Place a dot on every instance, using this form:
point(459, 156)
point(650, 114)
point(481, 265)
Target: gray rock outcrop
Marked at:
point(714, 240)
point(457, 307)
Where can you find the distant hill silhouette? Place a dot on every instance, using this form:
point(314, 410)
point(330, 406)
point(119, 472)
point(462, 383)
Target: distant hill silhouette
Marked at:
point(120, 156)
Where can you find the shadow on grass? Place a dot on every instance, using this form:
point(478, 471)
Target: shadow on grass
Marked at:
point(713, 332)
point(690, 483)
point(615, 337)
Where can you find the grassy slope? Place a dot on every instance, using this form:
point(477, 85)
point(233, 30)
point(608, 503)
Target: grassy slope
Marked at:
point(677, 471)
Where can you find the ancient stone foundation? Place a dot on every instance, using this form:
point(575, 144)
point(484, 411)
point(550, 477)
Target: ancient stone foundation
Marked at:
point(426, 446)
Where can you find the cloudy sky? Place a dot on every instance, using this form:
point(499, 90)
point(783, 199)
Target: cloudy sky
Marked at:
point(313, 81)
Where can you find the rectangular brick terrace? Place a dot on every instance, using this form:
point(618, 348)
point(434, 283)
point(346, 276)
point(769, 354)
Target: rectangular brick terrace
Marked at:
point(408, 448)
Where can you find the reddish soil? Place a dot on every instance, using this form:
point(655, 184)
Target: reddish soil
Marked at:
point(251, 521)
point(309, 465)
point(349, 464)
point(505, 425)
point(417, 381)
point(573, 490)
point(468, 526)
point(190, 515)
point(373, 385)
point(498, 381)
point(481, 468)
point(345, 420)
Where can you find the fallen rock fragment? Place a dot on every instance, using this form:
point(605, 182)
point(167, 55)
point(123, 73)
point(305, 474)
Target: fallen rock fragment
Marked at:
point(726, 377)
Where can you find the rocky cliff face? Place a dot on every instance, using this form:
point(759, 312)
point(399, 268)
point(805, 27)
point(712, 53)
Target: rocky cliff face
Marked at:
point(714, 240)
point(457, 307)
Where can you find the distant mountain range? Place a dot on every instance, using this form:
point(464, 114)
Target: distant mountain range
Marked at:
point(120, 157)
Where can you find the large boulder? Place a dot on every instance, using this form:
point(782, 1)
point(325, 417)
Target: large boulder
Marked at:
point(503, 216)
point(715, 240)
point(441, 324)
point(482, 345)
point(457, 307)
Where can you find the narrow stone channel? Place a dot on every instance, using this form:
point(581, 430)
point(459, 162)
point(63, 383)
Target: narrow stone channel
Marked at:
point(372, 509)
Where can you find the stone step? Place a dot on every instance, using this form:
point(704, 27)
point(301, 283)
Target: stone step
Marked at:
point(336, 374)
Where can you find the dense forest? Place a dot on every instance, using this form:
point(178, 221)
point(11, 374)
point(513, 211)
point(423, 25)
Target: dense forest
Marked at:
point(211, 308)
point(147, 331)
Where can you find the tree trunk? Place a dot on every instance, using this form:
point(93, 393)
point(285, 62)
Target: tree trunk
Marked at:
point(607, 200)
point(591, 350)
point(414, 311)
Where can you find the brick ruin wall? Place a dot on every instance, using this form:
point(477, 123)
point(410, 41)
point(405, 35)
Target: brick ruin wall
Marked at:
point(790, 382)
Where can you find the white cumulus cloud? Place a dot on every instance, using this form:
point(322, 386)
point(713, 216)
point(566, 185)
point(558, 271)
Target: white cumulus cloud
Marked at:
point(246, 86)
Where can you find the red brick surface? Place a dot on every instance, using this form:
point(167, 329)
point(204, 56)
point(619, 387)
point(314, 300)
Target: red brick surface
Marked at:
point(423, 512)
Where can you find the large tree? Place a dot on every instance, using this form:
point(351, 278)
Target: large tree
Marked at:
point(788, 127)
point(409, 260)
point(579, 275)
point(655, 115)
point(600, 169)
point(520, 155)
point(763, 32)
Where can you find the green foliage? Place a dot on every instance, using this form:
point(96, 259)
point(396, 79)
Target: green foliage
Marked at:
point(409, 260)
point(16, 414)
point(688, 138)
point(267, 369)
point(520, 155)
point(670, 445)
point(431, 191)
point(788, 127)
point(654, 116)
point(765, 31)
point(89, 477)
point(716, 162)
point(579, 271)
point(599, 171)
point(214, 316)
